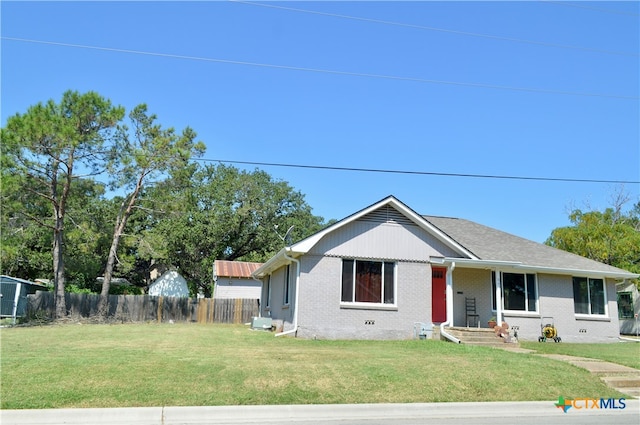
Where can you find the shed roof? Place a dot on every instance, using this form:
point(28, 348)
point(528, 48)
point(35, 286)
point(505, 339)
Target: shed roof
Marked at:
point(235, 268)
point(10, 279)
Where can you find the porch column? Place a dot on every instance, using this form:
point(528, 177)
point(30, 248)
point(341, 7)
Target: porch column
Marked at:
point(498, 298)
point(449, 293)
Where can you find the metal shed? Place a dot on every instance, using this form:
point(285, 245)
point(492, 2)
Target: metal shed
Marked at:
point(13, 295)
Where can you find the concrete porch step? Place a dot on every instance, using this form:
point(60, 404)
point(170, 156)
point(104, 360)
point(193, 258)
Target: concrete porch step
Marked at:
point(478, 336)
point(623, 381)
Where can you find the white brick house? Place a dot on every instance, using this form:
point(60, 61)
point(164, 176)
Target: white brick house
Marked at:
point(378, 272)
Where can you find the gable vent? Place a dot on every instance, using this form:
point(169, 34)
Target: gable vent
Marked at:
point(387, 214)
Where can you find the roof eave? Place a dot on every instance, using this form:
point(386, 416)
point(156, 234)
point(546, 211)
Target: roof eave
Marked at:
point(275, 262)
point(496, 264)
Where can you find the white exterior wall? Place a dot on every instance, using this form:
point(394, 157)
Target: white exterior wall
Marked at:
point(170, 284)
point(555, 303)
point(281, 314)
point(236, 288)
point(472, 283)
point(322, 315)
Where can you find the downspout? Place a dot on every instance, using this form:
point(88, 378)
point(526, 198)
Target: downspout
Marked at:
point(295, 313)
point(449, 297)
point(498, 297)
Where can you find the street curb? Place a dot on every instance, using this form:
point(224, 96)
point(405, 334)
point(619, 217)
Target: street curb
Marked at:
point(293, 413)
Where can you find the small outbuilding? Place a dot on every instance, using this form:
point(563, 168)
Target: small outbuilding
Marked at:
point(233, 280)
point(169, 284)
point(13, 295)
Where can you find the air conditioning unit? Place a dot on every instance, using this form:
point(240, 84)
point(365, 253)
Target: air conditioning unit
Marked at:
point(261, 323)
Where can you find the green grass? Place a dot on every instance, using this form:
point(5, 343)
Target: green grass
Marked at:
point(624, 353)
point(196, 365)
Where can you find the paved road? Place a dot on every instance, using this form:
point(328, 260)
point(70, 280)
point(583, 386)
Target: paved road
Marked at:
point(522, 413)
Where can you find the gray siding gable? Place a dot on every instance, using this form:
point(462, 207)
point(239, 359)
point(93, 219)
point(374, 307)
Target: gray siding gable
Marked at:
point(384, 234)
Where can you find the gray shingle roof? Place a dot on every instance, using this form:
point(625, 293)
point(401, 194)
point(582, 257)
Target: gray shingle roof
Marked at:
point(491, 244)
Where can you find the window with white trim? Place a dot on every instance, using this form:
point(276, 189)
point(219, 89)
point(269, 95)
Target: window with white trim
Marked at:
point(287, 284)
point(268, 303)
point(625, 305)
point(589, 296)
point(519, 291)
point(365, 281)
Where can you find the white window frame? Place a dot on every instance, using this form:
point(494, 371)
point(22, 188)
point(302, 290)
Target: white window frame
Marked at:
point(631, 304)
point(526, 310)
point(268, 304)
point(370, 305)
point(605, 301)
point(286, 293)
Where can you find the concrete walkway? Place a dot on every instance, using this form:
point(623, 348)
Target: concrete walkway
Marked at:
point(622, 378)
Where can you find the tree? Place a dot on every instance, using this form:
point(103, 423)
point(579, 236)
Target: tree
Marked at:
point(610, 236)
point(226, 213)
point(149, 152)
point(48, 145)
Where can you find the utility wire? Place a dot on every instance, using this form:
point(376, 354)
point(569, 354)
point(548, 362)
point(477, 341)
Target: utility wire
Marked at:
point(427, 28)
point(323, 71)
point(421, 173)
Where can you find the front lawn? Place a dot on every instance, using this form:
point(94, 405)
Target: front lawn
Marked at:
point(197, 365)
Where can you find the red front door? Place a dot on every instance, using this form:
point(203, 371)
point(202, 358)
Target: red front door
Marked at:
point(438, 294)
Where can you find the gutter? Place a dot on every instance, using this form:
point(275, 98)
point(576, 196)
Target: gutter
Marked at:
point(516, 265)
point(295, 313)
point(449, 297)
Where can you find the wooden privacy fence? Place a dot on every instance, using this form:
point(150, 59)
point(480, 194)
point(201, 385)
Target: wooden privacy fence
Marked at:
point(144, 308)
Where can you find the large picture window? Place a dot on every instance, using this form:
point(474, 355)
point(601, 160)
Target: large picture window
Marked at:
point(519, 291)
point(368, 281)
point(588, 296)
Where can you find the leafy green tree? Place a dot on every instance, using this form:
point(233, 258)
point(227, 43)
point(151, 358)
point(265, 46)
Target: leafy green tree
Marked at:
point(50, 145)
point(610, 236)
point(230, 214)
point(147, 152)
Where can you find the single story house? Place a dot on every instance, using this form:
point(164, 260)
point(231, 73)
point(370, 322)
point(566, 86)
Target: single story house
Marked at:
point(169, 284)
point(382, 270)
point(13, 295)
point(232, 279)
point(629, 308)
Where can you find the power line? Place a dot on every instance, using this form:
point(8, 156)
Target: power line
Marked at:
point(421, 173)
point(323, 71)
point(449, 31)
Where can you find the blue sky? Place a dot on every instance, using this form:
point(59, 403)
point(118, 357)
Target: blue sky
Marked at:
point(533, 89)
